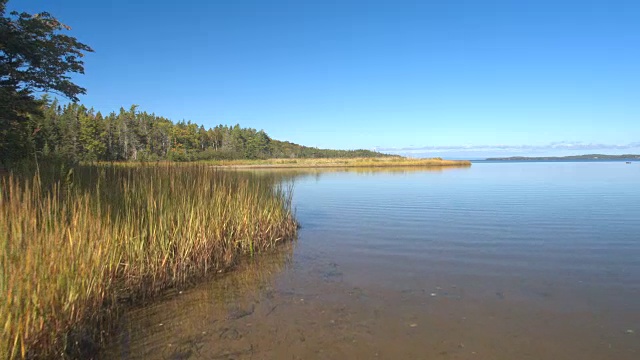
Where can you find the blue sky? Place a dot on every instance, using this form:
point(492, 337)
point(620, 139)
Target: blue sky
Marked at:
point(427, 78)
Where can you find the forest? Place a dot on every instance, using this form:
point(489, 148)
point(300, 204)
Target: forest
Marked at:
point(36, 57)
point(79, 134)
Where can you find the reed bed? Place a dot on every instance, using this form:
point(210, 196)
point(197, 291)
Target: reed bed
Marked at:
point(391, 161)
point(75, 250)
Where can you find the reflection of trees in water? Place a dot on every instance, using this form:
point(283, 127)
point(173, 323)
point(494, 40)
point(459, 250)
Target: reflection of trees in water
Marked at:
point(285, 175)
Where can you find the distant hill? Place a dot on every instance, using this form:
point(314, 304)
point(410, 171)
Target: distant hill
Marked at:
point(572, 157)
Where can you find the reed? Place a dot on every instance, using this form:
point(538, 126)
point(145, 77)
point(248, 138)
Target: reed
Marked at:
point(391, 161)
point(74, 250)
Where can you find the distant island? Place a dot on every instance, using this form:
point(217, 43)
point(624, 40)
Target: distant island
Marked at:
point(572, 157)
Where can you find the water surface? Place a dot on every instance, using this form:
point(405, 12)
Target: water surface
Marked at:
point(496, 261)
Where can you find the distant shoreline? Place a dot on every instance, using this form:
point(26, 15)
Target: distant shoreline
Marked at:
point(339, 163)
point(591, 157)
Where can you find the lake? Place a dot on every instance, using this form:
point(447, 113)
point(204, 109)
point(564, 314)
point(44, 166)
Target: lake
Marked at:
point(495, 261)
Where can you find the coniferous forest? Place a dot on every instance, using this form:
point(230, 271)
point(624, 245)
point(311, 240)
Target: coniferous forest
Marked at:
point(37, 57)
point(76, 133)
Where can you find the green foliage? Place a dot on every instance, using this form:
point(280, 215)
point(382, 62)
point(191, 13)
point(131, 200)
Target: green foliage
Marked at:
point(75, 133)
point(34, 56)
point(92, 133)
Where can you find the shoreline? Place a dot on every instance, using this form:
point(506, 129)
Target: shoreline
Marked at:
point(94, 250)
point(311, 163)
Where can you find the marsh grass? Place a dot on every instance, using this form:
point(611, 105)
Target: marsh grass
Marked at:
point(391, 161)
point(74, 250)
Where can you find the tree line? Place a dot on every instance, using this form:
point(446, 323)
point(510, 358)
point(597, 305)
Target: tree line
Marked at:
point(36, 56)
point(76, 133)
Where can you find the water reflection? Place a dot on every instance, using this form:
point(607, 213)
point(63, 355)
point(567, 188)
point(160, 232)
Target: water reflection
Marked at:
point(498, 261)
point(292, 174)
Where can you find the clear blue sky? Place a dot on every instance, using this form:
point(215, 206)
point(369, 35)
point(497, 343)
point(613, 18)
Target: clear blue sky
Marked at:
point(449, 77)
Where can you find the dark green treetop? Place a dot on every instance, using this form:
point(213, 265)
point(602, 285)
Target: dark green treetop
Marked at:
point(35, 56)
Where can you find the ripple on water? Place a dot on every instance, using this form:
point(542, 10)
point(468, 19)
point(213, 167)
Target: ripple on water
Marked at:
point(498, 261)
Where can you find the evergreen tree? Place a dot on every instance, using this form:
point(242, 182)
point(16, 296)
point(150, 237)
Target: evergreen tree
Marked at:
point(92, 134)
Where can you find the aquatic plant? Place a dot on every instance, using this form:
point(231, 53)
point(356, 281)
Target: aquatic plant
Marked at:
point(74, 250)
point(391, 161)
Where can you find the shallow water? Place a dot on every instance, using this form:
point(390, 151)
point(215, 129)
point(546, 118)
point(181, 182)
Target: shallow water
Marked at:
point(496, 261)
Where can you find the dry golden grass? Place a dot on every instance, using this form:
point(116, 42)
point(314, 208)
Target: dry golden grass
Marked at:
point(341, 162)
point(72, 250)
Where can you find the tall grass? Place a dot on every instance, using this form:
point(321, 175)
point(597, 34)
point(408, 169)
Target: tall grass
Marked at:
point(391, 161)
point(73, 250)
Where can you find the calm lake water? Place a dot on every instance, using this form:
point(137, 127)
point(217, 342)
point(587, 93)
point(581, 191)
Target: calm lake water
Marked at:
point(496, 261)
